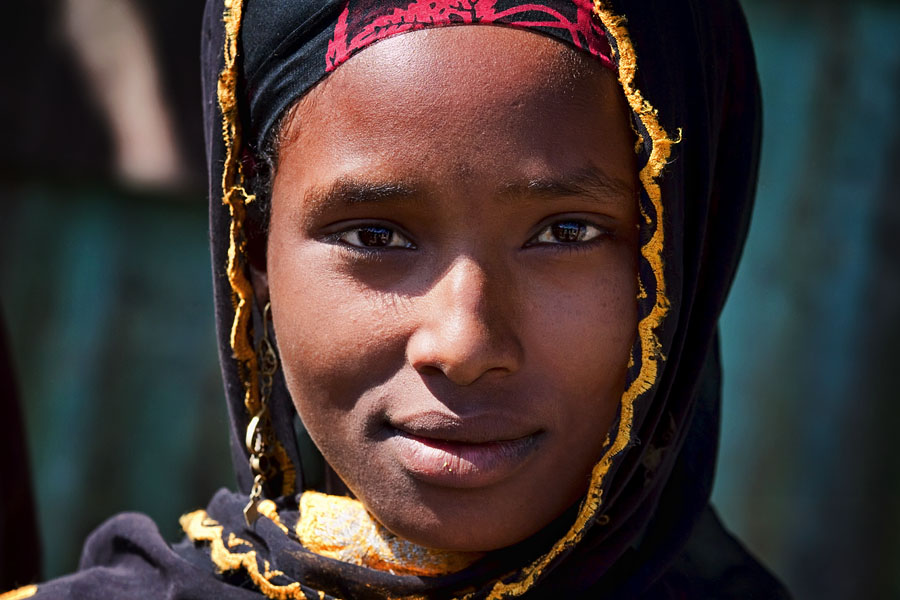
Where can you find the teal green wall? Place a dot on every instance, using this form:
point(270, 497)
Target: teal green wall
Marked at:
point(108, 301)
point(808, 474)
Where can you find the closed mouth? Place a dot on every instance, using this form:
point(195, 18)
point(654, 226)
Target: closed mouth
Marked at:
point(461, 462)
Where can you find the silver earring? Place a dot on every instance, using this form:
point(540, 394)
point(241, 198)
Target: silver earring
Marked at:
point(259, 438)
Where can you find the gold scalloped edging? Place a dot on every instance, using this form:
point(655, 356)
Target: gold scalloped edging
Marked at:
point(268, 509)
point(342, 529)
point(200, 528)
point(652, 252)
point(287, 469)
point(20, 594)
point(235, 196)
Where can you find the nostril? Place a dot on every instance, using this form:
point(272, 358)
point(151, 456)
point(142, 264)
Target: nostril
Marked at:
point(463, 350)
point(429, 370)
point(461, 371)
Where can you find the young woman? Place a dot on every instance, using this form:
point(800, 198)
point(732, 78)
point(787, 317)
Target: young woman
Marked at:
point(480, 248)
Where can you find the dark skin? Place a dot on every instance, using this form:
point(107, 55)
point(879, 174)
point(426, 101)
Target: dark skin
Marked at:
point(452, 267)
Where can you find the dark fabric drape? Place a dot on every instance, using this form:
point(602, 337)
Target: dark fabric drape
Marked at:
point(20, 550)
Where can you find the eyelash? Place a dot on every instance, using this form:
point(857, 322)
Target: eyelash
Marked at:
point(372, 252)
point(598, 235)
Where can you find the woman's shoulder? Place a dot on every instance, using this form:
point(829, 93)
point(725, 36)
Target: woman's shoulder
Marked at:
point(715, 564)
point(127, 557)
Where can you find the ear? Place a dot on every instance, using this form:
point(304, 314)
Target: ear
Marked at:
point(259, 278)
point(258, 266)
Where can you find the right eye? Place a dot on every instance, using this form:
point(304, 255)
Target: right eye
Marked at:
point(374, 236)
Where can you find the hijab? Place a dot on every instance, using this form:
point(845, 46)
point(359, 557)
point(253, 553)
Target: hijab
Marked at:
point(644, 527)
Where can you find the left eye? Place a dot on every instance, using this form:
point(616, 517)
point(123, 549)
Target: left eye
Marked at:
point(374, 236)
point(567, 232)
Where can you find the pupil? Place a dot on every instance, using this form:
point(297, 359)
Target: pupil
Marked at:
point(375, 236)
point(568, 232)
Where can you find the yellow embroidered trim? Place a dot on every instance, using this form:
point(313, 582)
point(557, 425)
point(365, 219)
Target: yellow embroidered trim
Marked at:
point(268, 509)
point(200, 528)
point(652, 252)
point(330, 522)
point(236, 197)
point(20, 594)
point(342, 529)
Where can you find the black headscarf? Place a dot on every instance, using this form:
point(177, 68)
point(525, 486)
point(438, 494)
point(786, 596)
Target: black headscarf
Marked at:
point(644, 528)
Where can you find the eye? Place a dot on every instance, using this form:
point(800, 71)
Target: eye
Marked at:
point(570, 231)
point(373, 236)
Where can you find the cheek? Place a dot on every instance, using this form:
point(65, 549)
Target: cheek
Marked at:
point(584, 322)
point(581, 324)
point(329, 330)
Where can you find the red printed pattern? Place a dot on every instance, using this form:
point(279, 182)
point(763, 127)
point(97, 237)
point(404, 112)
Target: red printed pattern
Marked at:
point(371, 21)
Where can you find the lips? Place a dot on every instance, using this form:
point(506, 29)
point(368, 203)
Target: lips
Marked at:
point(448, 451)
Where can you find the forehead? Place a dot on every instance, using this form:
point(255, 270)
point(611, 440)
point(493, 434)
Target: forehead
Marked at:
point(477, 97)
point(509, 59)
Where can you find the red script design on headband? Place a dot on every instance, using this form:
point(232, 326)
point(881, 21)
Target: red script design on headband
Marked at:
point(364, 22)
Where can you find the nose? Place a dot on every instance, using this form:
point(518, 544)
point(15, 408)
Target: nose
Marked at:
point(466, 326)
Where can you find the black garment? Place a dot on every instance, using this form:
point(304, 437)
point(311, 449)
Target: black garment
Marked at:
point(20, 551)
point(653, 534)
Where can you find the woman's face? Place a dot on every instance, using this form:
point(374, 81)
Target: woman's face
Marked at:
point(452, 264)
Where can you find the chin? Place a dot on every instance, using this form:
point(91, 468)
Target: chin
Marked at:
point(463, 521)
point(456, 537)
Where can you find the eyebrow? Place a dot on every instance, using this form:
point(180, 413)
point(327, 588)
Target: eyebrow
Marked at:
point(349, 191)
point(588, 181)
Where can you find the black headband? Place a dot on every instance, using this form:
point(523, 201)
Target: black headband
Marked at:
point(287, 47)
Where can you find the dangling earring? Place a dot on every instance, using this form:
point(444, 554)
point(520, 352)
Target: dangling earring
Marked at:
point(259, 439)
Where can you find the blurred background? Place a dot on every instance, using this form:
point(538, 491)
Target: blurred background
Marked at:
point(105, 288)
